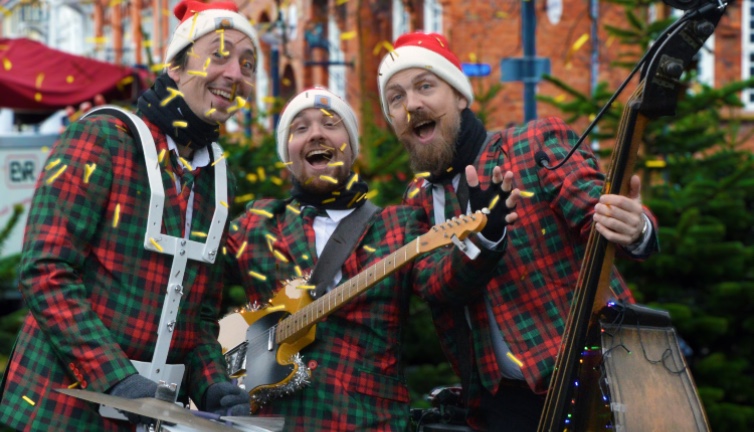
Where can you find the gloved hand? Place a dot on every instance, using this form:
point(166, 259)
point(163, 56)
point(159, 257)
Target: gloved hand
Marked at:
point(499, 198)
point(227, 399)
point(134, 387)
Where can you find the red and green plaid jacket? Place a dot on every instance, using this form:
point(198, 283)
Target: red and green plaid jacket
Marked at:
point(94, 293)
point(357, 382)
point(532, 289)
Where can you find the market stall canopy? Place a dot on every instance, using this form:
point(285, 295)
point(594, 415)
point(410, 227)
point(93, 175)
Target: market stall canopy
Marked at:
point(34, 77)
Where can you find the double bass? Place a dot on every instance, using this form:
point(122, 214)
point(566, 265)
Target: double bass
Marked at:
point(620, 366)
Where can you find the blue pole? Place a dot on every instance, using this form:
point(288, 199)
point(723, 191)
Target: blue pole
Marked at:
point(528, 28)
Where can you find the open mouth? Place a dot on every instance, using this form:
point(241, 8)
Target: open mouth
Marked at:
point(424, 128)
point(319, 158)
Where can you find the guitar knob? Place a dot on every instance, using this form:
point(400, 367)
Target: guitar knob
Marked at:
point(704, 29)
point(673, 69)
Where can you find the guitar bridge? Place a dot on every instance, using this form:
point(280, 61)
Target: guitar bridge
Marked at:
point(235, 358)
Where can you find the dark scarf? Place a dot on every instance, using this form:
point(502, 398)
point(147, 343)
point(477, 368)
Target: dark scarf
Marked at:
point(470, 139)
point(198, 134)
point(344, 198)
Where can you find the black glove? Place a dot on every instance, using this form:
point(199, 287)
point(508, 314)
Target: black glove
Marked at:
point(135, 387)
point(480, 198)
point(227, 399)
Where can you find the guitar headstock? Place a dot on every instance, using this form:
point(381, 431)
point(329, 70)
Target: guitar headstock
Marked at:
point(460, 226)
point(674, 52)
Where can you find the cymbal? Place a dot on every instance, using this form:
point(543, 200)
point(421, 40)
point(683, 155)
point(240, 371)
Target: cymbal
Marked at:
point(150, 407)
point(257, 424)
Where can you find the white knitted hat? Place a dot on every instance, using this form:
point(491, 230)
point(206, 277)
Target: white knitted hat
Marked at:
point(317, 97)
point(198, 19)
point(425, 51)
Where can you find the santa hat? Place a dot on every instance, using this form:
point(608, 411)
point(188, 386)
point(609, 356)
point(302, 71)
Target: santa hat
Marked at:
point(429, 51)
point(317, 97)
point(198, 19)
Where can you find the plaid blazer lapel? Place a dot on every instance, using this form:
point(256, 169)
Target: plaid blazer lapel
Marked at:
point(298, 238)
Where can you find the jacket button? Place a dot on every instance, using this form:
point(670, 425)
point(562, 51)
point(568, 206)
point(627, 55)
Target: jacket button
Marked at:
point(312, 364)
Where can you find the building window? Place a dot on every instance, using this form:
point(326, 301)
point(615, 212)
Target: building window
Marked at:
point(432, 16)
point(747, 40)
point(401, 19)
point(337, 72)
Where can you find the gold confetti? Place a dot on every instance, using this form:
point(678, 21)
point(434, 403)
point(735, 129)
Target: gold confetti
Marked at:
point(472, 57)
point(413, 192)
point(261, 213)
point(384, 44)
point(333, 164)
point(270, 237)
point(206, 63)
point(261, 174)
point(501, 14)
point(218, 160)
point(277, 180)
point(69, 79)
point(328, 179)
point(258, 275)
point(241, 249)
point(275, 308)
point(343, 147)
point(155, 244)
point(305, 256)
point(116, 217)
point(286, 82)
point(493, 201)
point(328, 201)
point(526, 194)
point(200, 234)
point(544, 231)
point(580, 42)
point(306, 287)
point(369, 249)
point(514, 359)
point(224, 204)
point(97, 40)
point(340, 2)
point(161, 156)
point(40, 78)
point(422, 174)
point(185, 163)
point(38, 97)
point(297, 269)
point(29, 401)
point(7, 65)
point(440, 42)
point(74, 385)
point(348, 35)
point(279, 255)
point(655, 163)
point(244, 198)
point(326, 112)
point(197, 73)
point(353, 180)
point(180, 124)
point(293, 209)
point(88, 170)
point(193, 26)
point(290, 137)
point(52, 164)
point(173, 94)
point(369, 195)
point(54, 176)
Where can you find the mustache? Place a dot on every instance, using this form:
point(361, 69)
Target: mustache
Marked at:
point(417, 117)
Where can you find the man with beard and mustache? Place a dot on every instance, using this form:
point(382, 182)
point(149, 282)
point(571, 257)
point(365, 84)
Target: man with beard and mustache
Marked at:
point(357, 381)
point(94, 288)
point(503, 346)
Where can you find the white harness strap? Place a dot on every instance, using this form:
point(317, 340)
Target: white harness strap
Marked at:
point(179, 248)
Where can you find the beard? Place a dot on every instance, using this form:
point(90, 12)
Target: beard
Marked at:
point(436, 156)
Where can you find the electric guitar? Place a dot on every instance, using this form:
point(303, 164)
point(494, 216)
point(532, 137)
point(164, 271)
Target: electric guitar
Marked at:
point(269, 349)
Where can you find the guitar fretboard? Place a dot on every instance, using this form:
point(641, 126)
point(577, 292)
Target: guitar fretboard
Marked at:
point(338, 296)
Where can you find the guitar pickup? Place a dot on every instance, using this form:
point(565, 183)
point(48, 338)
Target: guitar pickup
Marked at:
point(235, 358)
point(466, 246)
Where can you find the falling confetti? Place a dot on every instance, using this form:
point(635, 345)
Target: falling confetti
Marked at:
point(210, 112)
point(369, 249)
point(185, 163)
point(197, 73)
point(333, 164)
point(306, 287)
point(297, 269)
point(155, 244)
point(241, 249)
point(52, 164)
point(348, 35)
point(293, 209)
point(116, 217)
point(413, 192)
point(29, 401)
point(279, 255)
point(328, 179)
point(655, 164)
point(422, 175)
point(326, 112)
point(54, 176)
point(7, 65)
point(218, 160)
point(514, 359)
point(173, 94)
point(257, 275)
point(180, 124)
point(200, 234)
point(261, 213)
point(526, 194)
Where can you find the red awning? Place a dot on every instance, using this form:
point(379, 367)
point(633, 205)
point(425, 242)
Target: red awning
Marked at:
point(37, 78)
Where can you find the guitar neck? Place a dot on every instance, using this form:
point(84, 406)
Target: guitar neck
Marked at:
point(340, 295)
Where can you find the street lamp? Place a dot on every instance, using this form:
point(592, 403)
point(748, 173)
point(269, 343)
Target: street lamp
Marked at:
point(275, 38)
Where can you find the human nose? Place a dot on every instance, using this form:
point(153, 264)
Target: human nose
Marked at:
point(413, 101)
point(316, 132)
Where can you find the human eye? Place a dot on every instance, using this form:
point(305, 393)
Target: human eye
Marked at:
point(394, 98)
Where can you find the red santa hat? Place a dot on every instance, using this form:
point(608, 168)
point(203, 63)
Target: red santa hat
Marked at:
point(198, 19)
point(317, 97)
point(429, 51)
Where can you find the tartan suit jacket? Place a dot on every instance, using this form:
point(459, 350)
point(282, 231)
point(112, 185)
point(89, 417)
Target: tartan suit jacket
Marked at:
point(532, 289)
point(94, 293)
point(357, 381)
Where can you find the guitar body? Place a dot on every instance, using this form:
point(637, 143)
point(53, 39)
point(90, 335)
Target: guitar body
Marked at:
point(276, 368)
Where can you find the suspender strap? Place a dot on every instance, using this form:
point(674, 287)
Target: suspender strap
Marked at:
point(340, 245)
